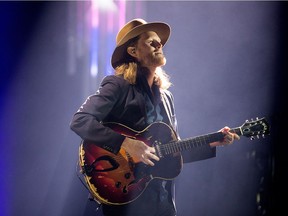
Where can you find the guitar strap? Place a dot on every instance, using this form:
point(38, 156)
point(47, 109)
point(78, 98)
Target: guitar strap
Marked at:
point(168, 103)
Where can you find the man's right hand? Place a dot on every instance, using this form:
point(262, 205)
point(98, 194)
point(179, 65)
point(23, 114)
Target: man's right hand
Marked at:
point(140, 151)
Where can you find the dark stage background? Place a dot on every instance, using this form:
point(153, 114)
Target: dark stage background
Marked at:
point(227, 62)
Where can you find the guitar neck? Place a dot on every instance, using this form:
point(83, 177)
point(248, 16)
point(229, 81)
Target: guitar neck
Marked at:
point(192, 143)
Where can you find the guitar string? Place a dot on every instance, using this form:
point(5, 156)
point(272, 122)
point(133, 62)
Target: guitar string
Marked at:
point(187, 144)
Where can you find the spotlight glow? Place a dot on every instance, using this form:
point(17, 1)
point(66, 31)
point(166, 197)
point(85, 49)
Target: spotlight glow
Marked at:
point(104, 5)
point(94, 70)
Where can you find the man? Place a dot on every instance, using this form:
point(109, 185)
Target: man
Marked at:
point(137, 96)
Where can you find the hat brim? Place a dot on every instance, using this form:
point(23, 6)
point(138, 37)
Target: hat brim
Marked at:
point(160, 28)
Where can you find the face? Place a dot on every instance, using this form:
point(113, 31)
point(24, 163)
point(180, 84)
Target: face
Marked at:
point(148, 50)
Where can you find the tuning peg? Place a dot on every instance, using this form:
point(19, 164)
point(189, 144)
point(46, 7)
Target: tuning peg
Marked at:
point(257, 118)
point(263, 135)
point(257, 136)
point(252, 138)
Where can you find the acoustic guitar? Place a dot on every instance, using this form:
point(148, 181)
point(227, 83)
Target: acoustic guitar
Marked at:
point(120, 179)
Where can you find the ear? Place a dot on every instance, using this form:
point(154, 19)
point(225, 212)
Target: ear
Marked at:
point(131, 51)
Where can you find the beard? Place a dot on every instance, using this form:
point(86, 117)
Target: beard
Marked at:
point(154, 60)
point(158, 60)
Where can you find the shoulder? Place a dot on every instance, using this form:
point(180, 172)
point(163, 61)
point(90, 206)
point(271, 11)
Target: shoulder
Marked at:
point(116, 81)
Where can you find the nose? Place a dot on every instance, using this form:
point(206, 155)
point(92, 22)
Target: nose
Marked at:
point(157, 44)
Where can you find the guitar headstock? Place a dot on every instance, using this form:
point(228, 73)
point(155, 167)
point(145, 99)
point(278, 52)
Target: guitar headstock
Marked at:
point(255, 128)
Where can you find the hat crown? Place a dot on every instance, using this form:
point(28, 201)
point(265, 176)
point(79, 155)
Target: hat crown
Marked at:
point(128, 27)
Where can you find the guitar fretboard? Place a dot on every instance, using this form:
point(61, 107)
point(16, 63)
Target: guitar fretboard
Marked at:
point(192, 143)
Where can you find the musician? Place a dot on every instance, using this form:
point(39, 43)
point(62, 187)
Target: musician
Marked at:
point(136, 96)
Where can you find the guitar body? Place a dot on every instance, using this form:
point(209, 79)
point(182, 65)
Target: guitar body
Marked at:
point(119, 179)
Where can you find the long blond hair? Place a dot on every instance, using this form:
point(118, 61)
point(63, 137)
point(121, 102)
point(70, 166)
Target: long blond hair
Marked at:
point(129, 73)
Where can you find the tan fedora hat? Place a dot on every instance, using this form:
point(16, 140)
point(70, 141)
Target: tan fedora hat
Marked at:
point(131, 30)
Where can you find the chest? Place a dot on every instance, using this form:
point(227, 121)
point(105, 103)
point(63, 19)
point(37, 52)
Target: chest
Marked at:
point(137, 109)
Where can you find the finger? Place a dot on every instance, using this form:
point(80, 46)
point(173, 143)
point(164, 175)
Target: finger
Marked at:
point(146, 160)
point(233, 137)
point(152, 150)
point(228, 139)
point(154, 157)
point(225, 130)
point(149, 162)
point(236, 137)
